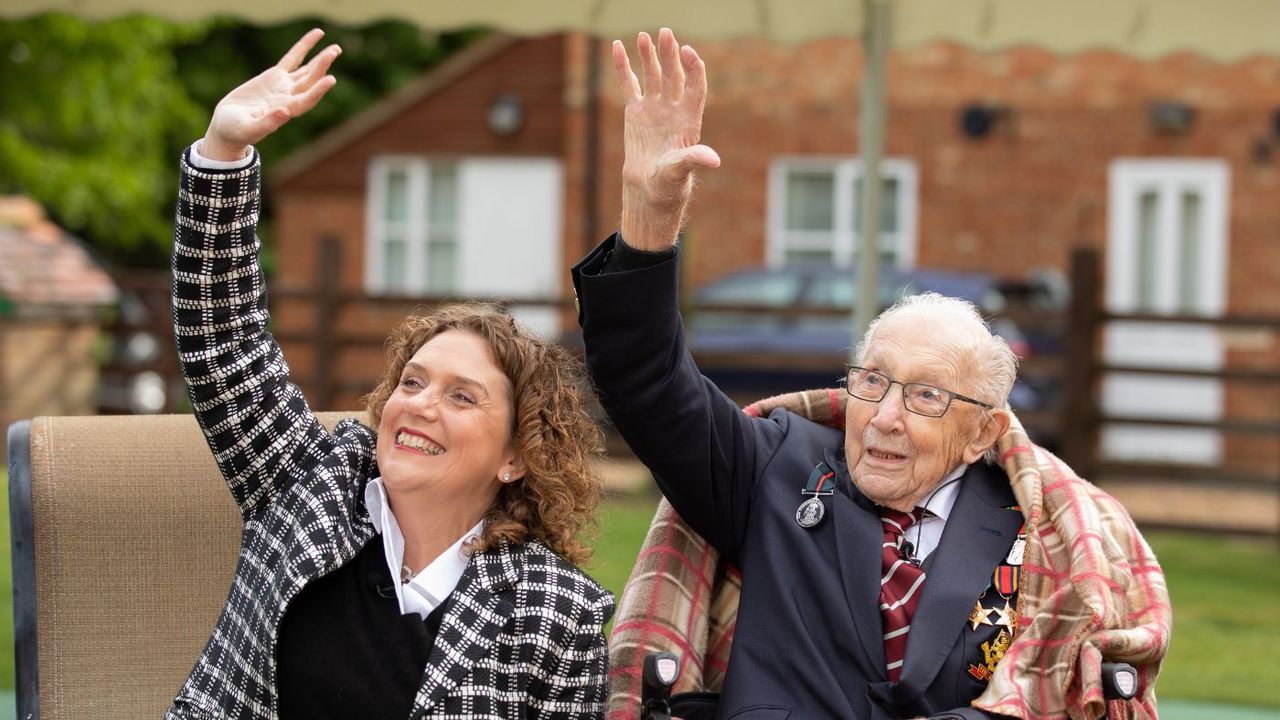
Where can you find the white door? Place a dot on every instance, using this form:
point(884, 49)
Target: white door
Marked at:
point(1166, 254)
point(510, 233)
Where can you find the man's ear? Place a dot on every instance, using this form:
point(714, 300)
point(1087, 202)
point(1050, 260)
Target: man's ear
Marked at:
point(997, 424)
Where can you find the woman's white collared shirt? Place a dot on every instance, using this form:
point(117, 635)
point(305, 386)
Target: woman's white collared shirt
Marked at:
point(433, 584)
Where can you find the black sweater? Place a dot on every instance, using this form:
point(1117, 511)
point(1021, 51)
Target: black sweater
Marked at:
point(345, 651)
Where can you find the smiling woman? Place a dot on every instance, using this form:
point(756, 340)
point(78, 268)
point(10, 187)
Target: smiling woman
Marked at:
point(420, 570)
point(466, 382)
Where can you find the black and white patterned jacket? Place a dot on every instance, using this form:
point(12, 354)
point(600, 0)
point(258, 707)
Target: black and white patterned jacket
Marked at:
point(522, 638)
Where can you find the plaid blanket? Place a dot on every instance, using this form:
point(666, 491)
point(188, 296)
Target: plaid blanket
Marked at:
point(1091, 589)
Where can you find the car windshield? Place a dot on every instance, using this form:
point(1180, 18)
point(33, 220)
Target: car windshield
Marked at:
point(837, 290)
point(768, 289)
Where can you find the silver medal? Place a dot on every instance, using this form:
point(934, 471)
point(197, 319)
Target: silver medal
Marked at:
point(1016, 552)
point(810, 512)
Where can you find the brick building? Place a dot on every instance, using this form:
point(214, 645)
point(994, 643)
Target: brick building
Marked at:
point(484, 178)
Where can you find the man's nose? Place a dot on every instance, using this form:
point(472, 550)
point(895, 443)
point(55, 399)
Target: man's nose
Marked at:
point(890, 410)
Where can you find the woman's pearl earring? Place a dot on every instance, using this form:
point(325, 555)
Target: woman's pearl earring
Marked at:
point(506, 477)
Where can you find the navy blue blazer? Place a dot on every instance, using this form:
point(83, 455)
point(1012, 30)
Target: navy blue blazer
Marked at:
point(809, 639)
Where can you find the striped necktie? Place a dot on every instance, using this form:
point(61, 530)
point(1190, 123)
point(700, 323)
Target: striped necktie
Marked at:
point(901, 583)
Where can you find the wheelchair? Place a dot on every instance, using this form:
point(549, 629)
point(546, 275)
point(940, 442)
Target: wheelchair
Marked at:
point(683, 597)
point(661, 669)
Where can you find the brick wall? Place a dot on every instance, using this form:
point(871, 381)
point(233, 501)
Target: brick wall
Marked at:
point(1028, 193)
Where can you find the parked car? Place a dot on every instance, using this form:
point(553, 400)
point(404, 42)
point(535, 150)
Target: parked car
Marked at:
point(770, 330)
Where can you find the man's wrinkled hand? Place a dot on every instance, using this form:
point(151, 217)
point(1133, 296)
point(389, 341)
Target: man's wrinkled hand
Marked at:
point(260, 106)
point(662, 127)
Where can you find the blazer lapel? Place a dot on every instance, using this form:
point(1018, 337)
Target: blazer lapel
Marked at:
point(979, 532)
point(478, 610)
point(858, 540)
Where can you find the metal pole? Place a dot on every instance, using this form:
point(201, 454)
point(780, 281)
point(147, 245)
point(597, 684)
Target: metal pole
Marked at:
point(875, 44)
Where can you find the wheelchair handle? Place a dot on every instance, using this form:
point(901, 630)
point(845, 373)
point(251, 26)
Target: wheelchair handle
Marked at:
point(660, 672)
point(1119, 681)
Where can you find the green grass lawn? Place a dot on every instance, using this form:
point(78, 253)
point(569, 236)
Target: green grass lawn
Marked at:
point(623, 524)
point(1226, 600)
point(1226, 618)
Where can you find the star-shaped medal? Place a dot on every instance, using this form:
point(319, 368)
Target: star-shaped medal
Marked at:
point(1007, 616)
point(979, 615)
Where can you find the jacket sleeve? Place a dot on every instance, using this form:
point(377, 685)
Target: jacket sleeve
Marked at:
point(578, 683)
point(967, 713)
point(703, 451)
point(256, 422)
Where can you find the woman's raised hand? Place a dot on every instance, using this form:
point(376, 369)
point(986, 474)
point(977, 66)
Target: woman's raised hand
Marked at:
point(662, 127)
point(260, 106)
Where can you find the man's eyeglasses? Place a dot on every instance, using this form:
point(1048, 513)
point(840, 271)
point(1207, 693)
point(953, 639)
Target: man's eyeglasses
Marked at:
point(919, 398)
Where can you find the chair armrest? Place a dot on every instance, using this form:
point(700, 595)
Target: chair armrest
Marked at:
point(23, 557)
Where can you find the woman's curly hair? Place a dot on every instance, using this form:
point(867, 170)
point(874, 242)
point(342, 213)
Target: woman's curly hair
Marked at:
point(556, 437)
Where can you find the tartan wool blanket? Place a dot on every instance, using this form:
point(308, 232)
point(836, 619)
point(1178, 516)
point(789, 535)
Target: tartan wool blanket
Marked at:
point(1091, 589)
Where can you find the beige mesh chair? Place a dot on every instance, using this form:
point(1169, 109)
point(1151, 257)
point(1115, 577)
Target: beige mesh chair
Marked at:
point(124, 543)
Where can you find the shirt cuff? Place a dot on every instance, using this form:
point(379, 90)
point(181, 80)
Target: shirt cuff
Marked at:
point(204, 163)
point(624, 257)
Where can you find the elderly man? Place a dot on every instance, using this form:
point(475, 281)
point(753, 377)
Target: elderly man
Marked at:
point(881, 565)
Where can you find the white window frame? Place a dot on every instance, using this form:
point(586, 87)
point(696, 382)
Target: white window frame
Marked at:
point(1170, 345)
point(418, 172)
point(1128, 178)
point(844, 235)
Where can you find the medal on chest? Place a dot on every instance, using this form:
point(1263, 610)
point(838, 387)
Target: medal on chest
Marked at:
point(1002, 615)
point(821, 483)
point(1018, 549)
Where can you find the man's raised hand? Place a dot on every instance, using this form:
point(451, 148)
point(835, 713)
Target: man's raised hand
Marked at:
point(662, 126)
point(260, 106)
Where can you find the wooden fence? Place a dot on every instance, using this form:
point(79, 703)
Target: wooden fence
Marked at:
point(139, 373)
point(331, 332)
point(1240, 495)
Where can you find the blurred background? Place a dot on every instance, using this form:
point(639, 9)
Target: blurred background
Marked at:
point(1102, 179)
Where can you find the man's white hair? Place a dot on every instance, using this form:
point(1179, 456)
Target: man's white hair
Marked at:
point(991, 365)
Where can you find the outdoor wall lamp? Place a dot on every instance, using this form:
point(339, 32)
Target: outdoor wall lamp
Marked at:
point(977, 120)
point(1170, 116)
point(506, 115)
point(1263, 148)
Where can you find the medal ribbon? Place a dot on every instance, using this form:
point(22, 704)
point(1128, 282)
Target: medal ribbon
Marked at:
point(818, 479)
point(1005, 579)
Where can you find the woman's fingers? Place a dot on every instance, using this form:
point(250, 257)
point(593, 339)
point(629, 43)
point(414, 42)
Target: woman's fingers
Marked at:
point(308, 99)
point(627, 80)
point(298, 52)
point(272, 121)
point(316, 69)
point(261, 105)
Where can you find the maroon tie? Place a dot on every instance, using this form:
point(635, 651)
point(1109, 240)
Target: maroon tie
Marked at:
point(900, 585)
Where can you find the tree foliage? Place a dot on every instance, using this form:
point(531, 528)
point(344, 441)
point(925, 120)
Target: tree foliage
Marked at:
point(87, 113)
point(376, 59)
point(94, 114)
